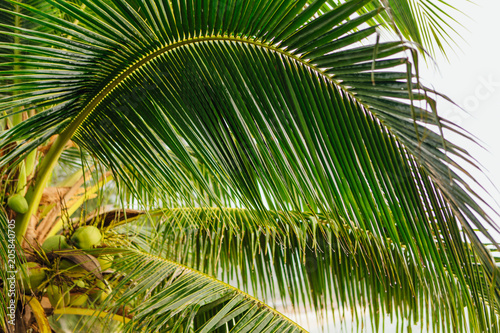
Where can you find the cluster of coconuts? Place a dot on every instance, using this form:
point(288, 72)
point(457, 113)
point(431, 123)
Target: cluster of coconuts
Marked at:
point(84, 238)
point(60, 296)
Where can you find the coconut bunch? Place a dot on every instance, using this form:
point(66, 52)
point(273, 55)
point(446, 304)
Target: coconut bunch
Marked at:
point(70, 273)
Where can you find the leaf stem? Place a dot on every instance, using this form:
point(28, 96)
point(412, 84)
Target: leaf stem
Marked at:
point(92, 313)
point(39, 313)
point(34, 194)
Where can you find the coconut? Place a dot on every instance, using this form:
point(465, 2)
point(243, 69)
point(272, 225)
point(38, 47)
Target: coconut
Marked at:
point(55, 243)
point(78, 299)
point(86, 237)
point(105, 261)
point(100, 292)
point(80, 284)
point(18, 204)
point(55, 295)
point(35, 276)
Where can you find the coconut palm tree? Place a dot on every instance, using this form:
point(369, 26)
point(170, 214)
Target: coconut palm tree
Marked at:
point(254, 151)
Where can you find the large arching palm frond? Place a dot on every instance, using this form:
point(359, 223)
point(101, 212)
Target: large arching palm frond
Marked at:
point(282, 108)
point(316, 271)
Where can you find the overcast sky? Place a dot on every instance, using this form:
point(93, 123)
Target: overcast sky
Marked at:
point(471, 78)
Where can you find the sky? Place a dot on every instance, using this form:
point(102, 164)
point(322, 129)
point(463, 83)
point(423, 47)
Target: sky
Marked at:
point(471, 78)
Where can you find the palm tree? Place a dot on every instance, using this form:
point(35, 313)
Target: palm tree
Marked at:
point(274, 145)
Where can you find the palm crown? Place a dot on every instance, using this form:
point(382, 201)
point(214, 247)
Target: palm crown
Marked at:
point(265, 141)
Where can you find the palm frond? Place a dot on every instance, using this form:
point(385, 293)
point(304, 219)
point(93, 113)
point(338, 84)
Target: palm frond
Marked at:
point(281, 107)
point(430, 24)
point(174, 298)
point(318, 270)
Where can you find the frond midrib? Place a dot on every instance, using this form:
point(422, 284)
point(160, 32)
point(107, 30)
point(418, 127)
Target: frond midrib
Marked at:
point(115, 82)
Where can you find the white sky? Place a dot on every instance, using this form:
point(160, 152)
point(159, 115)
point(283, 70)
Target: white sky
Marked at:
point(471, 78)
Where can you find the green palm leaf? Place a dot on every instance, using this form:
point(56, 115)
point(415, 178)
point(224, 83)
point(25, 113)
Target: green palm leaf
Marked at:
point(282, 108)
point(182, 299)
point(430, 24)
point(318, 270)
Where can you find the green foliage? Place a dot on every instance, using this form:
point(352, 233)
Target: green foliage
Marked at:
point(350, 274)
point(182, 299)
point(430, 24)
point(296, 141)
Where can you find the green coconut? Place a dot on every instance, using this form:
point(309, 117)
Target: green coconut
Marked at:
point(35, 276)
point(100, 292)
point(80, 284)
point(55, 243)
point(18, 204)
point(56, 296)
point(78, 299)
point(87, 237)
point(105, 261)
